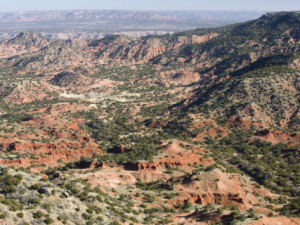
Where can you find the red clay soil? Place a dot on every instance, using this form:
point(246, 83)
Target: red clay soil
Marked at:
point(277, 221)
point(51, 157)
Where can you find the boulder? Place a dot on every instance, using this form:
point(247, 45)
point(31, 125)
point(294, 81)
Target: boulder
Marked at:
point(45, 190)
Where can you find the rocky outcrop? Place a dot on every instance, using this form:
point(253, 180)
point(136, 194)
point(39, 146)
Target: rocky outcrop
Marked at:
point(228, 199)
point(219, 188)
point(180, 161)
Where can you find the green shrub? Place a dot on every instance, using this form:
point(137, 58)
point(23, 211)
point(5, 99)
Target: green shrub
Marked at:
point(86, 216)
point(36, 186)
point(20, 215)
point(37, 215)
point(9, 182)
point(48, 220)
point(2, 215)
point(114, 223)
point(149, 198)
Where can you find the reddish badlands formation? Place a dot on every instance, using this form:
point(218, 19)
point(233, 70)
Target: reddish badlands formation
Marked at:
point(186, 121)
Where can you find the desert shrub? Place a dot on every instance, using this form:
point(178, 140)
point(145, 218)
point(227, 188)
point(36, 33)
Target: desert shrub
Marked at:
point(2, 215)
point(20, 215)
point(149, 198)
point(35, 186)
point(73, 188)
point(115, 223)
point(48, 220)
point(37, 215)
point(86, 216)
point(9, 182)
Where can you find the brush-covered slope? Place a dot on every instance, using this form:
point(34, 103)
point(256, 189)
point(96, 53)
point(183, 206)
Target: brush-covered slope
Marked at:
point(242, 43)
point(250, 72)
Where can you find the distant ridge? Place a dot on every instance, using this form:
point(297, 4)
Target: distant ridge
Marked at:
point(93, 24)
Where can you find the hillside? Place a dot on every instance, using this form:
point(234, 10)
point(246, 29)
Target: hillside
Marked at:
point(196, 127)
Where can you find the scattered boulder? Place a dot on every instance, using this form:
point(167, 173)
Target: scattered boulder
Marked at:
point(66, 194)
point(45, 190)
point(57, 175)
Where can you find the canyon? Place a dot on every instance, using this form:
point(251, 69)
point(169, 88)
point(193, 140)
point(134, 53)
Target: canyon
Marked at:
point(189, 127)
